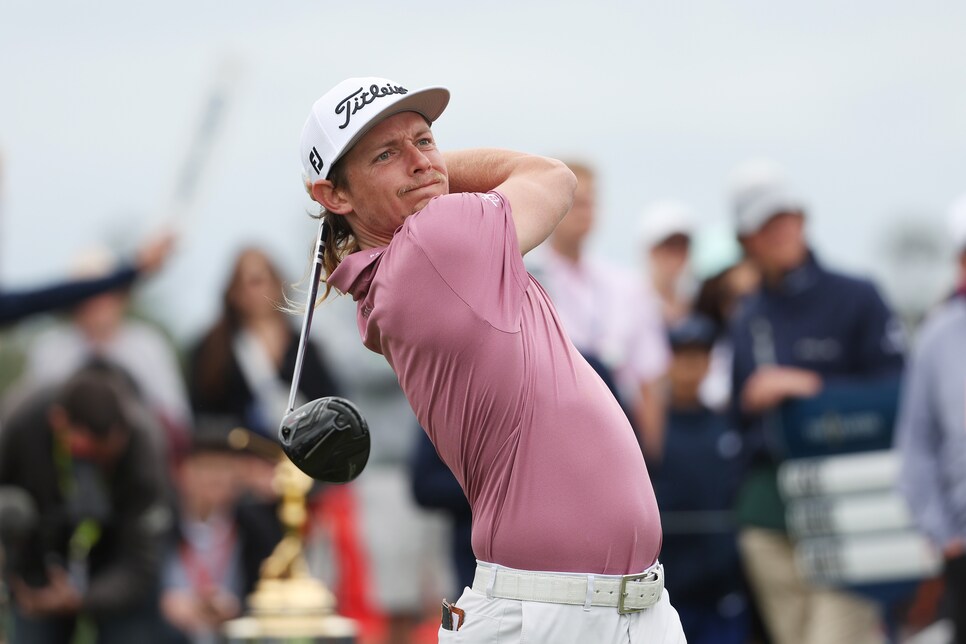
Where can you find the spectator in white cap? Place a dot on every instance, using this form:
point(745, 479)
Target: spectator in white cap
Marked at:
point(930, 433)
point(665, 234)
point(806, 329)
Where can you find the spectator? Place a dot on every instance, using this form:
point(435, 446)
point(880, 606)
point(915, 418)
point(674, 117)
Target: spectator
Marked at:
point(241, 370)
point(666, 231)
point(805, 329)
point(99, 329)
point(695, 484)
point(612, 319)
point(718, 298)
point(92, 470)
point(213, 560)
point(16, 305)
point(930, 436)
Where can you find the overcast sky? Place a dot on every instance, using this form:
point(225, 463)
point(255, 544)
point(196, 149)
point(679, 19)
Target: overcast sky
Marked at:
point(863, 102)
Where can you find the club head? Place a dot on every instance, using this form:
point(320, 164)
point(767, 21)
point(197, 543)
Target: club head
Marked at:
point(328, 439)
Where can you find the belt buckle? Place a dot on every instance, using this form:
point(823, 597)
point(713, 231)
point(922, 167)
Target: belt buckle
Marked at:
point(622, 591)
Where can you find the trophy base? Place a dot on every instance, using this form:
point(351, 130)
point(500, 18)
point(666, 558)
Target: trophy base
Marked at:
point(291, 611)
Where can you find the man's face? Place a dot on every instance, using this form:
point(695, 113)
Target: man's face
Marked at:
point(100, 316)
point(83, 444)
point(779, 245)
point(670, 256)
point(392, 172)
point(210, 479)
point(579, 221)
point(688, 368)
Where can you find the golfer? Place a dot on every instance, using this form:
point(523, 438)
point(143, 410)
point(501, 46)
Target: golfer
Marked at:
point(430, 245)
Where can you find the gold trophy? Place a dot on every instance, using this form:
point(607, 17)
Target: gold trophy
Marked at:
point(329, 439)
point(289, 606)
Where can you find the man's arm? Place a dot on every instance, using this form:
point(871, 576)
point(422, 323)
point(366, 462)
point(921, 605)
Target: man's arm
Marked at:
point(14, 306)
point(918, 441)
point(17, 305)
point(540, 190)
point(650, 414)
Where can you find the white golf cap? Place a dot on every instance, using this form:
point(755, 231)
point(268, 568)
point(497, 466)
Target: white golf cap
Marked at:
point(663, 219)
point(352, 108)
point(957, 224)
point(759, 191)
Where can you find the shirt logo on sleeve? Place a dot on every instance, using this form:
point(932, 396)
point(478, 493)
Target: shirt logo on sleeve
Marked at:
point(492, 198)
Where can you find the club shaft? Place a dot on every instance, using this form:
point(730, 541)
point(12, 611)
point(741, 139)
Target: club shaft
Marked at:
point(307, 315)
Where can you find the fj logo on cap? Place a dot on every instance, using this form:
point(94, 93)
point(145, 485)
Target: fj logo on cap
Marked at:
point(360, 98)
point(316, 160)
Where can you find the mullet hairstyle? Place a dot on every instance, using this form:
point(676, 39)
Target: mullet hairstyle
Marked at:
point(341, 241)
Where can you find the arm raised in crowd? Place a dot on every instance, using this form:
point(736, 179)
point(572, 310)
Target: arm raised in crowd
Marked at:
point(16, 305)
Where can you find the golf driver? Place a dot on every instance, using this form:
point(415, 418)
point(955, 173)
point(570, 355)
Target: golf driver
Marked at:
point(328, 438)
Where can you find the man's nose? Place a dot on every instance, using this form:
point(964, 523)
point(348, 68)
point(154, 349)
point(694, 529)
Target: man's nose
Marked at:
point(419, 160)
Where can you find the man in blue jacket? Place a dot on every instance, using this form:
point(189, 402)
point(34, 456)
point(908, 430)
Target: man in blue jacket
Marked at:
point(806, 329)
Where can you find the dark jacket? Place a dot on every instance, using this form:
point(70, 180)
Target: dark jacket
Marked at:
point(835, 325)
point(236, 404)
point(434, 486)
point(133, 512)
point(695, 485)
point(829, 323)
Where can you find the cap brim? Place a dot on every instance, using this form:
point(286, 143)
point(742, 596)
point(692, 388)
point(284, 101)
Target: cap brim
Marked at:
point(429, 102)
point(765, 210)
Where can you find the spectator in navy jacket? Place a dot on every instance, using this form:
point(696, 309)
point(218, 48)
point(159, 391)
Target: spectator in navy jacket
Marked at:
point(807, 328)
point(695, 484)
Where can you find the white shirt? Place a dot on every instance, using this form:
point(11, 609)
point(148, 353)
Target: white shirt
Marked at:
point(607, 312)
point(137, 347)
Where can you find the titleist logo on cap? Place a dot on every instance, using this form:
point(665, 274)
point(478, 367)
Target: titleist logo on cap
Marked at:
point(360, 98)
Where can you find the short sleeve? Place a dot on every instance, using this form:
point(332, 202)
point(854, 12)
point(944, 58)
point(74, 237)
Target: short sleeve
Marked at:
point(470, 241)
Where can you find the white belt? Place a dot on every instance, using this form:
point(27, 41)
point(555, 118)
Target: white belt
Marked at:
point(628, 593)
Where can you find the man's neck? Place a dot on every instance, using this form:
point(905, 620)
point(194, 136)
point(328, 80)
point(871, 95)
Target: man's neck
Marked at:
point(773, 277)
point(684, 399)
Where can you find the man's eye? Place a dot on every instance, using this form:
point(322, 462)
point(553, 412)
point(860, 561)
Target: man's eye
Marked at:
point(384, 156)
point(425, 141)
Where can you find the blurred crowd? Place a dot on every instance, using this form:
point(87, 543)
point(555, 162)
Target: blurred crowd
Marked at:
point(139, 492)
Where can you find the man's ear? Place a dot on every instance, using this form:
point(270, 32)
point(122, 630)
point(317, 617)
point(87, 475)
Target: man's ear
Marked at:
point(332, 199)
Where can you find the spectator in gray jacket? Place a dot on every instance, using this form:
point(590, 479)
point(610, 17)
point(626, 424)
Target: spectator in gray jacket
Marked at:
point(83, 458)
point(931, 435)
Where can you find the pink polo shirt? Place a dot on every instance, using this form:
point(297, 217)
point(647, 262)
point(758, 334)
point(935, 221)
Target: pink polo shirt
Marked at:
point(545, 455)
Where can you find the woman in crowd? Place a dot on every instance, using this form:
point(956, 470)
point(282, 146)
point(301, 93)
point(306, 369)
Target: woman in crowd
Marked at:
point(241, 369)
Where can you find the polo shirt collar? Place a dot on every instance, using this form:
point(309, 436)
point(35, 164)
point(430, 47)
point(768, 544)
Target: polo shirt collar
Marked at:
point(354, 273)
